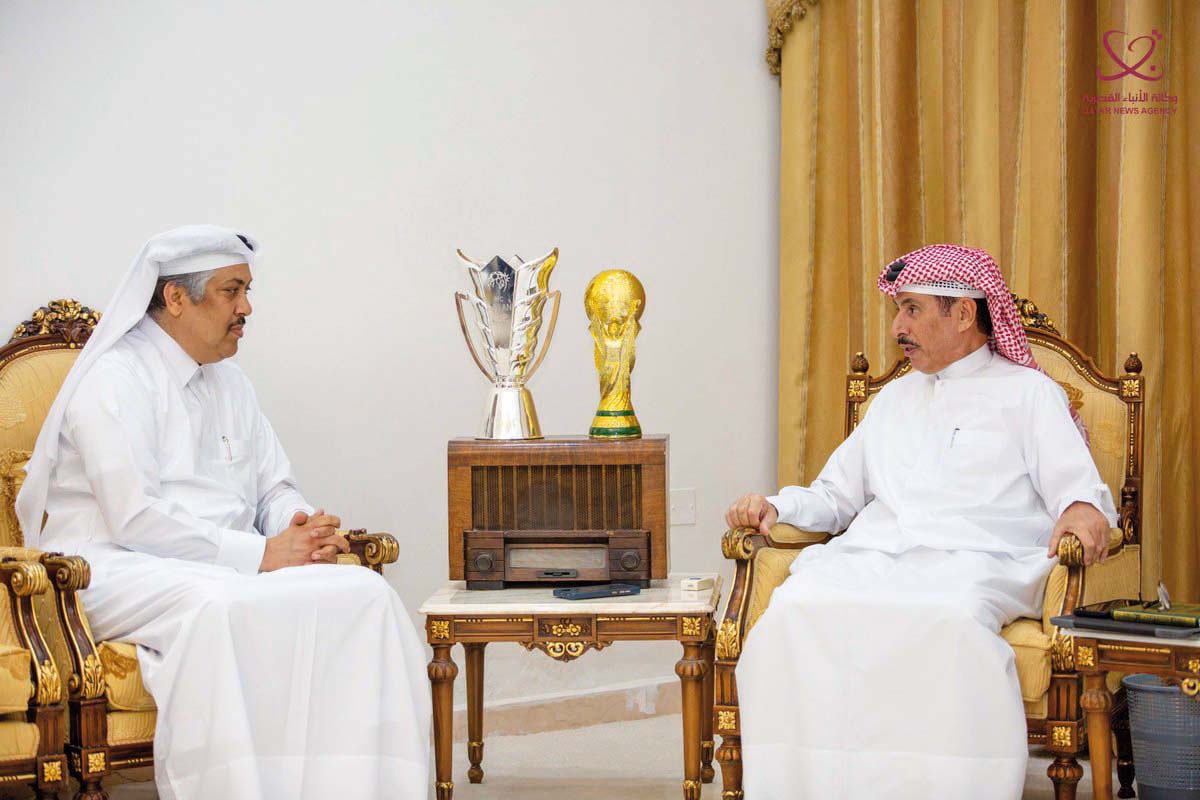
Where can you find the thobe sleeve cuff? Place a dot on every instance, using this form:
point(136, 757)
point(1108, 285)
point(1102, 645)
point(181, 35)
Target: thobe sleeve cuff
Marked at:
point(1096, 496)
point(242, 551)
point(787, 507)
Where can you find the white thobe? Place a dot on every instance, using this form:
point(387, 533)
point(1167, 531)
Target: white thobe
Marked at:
point(306, 682)
point(877, 668)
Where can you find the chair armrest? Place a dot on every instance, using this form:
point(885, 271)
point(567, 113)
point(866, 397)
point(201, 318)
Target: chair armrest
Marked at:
point(25, 578)
point(740, 545)
point(70, 575)
point(1071, 584)
point(1070, 549)
point(373, 550)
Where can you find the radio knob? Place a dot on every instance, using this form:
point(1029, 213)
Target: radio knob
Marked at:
point(630, 561)
point(484, 562)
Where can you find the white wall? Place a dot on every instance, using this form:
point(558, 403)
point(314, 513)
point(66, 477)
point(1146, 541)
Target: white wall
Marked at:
point(363, 143)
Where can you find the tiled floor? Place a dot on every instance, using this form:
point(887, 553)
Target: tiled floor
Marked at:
point(638, 760)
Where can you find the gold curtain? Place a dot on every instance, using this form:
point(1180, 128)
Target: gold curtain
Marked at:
point(907, 122)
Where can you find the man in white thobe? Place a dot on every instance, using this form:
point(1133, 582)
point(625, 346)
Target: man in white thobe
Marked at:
point(276, 673)
point(877, 669)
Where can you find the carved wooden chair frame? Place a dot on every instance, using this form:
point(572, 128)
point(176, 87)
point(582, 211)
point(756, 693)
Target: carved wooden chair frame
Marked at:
point(1063, 731)
point(67, 325)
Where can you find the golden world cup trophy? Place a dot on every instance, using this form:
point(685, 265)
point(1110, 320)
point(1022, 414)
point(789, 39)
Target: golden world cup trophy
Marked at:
point(614, 302)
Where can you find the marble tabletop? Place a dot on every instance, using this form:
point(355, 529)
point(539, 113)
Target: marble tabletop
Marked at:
point(663, 597)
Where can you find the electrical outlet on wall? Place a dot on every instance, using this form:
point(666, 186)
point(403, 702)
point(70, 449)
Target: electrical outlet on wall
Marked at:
point(683, 507)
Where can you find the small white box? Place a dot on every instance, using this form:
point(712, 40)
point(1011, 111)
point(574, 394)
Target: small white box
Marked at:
point(695, 584)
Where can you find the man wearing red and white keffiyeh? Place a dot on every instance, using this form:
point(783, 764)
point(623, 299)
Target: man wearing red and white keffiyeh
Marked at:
point(877, 658)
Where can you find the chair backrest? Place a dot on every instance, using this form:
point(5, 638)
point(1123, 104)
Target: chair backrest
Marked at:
point(33, 366)
point(1111, 408)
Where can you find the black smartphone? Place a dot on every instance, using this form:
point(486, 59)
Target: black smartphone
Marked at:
point(1104, 610)
point(593, 592)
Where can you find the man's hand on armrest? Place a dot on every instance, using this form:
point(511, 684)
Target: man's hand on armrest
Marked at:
point(752, 511)
point(308, 540)
point(1090, 528)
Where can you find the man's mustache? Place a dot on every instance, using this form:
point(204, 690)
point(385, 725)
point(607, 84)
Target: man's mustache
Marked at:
point(903, 340)
point(241, 320)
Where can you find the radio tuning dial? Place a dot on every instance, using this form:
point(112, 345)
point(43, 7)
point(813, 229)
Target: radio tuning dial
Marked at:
point(484, 562)
point(630, 561)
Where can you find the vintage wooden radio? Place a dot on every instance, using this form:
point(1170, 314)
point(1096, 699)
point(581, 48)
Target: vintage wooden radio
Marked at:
point(559, 510)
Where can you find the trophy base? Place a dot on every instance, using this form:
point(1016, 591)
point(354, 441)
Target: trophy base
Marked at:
point(510, 415)
point(615, 425)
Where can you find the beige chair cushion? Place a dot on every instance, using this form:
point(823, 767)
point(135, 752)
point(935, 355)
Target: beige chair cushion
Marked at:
point(131, 727)
point(123, 678)
point(1032, 649)
point(18, 739)
point(16, 682)
point(770, 570)
point(12, 475)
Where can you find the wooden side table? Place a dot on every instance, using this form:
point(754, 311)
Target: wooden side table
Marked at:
point(565, 630)
point(1099, 652)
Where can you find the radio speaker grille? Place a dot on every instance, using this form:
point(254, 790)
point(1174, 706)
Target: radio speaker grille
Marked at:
point(566, 497)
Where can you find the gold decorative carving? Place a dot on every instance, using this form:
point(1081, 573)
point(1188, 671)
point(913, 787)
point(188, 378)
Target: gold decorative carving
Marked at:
point(52, 771)
point(1190, 686)
point(93, 677)
point(1062, 652)
point(1131, 387)
point(565, 629)
point(439, 629)
point(692, 626)
point(68, 318)
point(25, 578)
point(856, 389)
point(738, 544)
point(728, 645)
point(726, 720)
point(1060, 735)
point(1193, 665)
point(380, 548)
point(96, 761)
point(120, 666)
point(564, 651)
point(783, 16)
point(1031, 317)
point(1070, 551)
point(69, 573)
point(1085, 656)
point(49, 684)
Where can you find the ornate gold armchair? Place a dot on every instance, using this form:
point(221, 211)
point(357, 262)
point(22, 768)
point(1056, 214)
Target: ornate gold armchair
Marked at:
point(111, 715)
point(1050, 686)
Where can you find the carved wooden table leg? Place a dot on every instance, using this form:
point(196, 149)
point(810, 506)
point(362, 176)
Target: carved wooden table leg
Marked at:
point(691, 669)
point(442, 672)
point(1125, 772)
point(1097, 703)
point(475, 710)
point(706, 714)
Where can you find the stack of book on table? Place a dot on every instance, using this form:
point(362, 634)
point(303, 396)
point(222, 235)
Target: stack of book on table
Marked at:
point(1140, 617)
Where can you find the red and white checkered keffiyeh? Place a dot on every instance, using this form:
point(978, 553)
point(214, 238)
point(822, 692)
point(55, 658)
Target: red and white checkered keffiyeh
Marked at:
point(974, 268)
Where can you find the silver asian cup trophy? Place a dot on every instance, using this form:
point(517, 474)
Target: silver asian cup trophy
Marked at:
point(501, 321)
